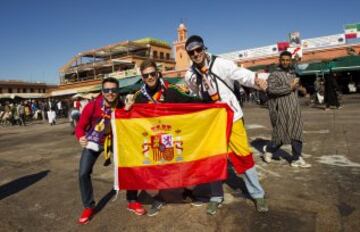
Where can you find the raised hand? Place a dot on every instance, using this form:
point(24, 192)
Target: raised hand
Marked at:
point(129, 101)
point(261, 83)
point(294, 83)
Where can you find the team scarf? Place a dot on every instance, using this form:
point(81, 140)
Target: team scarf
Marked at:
point(101, 132)
point(208, 83)
point(159, 95)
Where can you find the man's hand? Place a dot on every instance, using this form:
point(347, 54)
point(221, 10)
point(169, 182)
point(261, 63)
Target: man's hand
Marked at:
point(261, 83)
point(83, 141)
point(129, 101)
point(294, 83)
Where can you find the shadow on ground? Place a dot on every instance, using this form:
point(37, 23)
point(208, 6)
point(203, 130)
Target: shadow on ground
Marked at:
point(21, 184)
point(259, 143)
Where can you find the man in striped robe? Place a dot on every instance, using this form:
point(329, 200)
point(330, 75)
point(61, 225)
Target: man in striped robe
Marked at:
point(285, 113)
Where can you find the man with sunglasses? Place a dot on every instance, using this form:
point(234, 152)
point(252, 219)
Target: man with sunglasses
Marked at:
point(156, 91)
point(94, 134)
point(212, 78)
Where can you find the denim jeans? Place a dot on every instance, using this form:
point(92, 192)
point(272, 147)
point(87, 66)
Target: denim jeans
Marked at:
point(87, 161)
point(296, 148)
point(252, 183)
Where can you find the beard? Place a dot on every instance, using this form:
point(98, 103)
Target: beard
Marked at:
point(111, 102)
point(287, 68)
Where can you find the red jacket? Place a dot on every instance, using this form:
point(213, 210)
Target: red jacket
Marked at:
point(90, 115)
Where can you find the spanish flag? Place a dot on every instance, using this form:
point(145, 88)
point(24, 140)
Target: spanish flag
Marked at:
point(160, 146)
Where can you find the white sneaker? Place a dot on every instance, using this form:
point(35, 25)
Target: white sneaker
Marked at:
point(300, 163)
point(267, 156)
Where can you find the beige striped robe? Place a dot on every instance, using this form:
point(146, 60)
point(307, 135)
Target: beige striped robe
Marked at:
point(284, 108)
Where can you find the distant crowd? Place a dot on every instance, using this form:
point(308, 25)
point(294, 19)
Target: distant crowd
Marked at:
point(23, 112)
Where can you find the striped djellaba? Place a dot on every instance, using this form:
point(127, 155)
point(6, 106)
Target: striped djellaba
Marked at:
point(284, 108)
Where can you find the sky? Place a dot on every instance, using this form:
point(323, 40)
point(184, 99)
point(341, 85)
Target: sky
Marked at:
point(37, 37)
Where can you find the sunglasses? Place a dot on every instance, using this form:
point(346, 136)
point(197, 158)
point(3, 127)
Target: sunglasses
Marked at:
point(197, 50)
point(110, 90)
point(146, 75)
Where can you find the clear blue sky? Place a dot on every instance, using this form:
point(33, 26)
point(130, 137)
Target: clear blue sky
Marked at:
point(39, 36)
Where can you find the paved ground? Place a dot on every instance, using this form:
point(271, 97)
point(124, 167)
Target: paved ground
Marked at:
point(39, 188)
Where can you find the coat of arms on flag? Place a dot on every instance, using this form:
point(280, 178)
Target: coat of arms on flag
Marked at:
point(162, 146)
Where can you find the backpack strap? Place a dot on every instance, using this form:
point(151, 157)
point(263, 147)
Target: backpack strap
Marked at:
point(216, 76)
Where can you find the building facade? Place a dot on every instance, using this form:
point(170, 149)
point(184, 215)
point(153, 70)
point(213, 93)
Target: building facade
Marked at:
point(12, 89)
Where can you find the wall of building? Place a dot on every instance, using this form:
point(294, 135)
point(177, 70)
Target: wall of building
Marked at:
point(23, 87)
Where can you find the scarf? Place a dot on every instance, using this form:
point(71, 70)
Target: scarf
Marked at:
point(156, 95)
point(207, 82)
point(101, 132)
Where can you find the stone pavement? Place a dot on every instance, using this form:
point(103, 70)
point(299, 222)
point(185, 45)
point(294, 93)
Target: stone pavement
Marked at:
point(39, 186)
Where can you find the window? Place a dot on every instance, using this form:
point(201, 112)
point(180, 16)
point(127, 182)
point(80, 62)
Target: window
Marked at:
point(24, 90)
point(18, 90)
point(31, 90)
point(161, 55)
point(0, 90)
point(155, 54)
point(168, 56)
point(10, 90)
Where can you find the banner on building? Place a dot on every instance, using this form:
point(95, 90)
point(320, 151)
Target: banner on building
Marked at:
point(258, 52)
point(296, 52)
point(159, 146)
point(323, 41)
point(294, 40)
point(282, 46)
point(352, 31)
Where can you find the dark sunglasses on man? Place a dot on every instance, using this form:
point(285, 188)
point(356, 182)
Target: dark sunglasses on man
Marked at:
point(197, 50)
point(110, 90)
point(146, 75)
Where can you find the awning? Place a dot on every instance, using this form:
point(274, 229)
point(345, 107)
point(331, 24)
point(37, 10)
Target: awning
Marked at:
point(347, 63)
point(93, 88)
point(23, 95)
point(312, 68)
point(129, 81)
point(64, 92)
point(85, 95)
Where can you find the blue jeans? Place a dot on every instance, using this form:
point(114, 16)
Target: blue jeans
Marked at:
point(252, 183)
point(87, 161)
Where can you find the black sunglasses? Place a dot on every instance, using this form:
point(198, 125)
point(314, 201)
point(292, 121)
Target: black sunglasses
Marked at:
point(110, 90)
point(197, 50)
point(146, 75)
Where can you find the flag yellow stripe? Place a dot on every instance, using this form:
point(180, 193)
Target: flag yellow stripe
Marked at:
point(192, 130)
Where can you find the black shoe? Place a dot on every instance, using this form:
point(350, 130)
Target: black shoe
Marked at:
point(155, 208)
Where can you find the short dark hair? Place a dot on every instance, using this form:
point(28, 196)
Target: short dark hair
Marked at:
point(148, 63)
point(285, 53)
point(110, 80)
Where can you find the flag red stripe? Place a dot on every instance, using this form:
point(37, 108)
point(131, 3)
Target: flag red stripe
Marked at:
point(241, 163)
point(177, 175)
point(351, 36)
point(165, 109)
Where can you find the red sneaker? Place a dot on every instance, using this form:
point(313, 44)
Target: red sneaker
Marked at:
point(86, 215)
point(136, 208)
